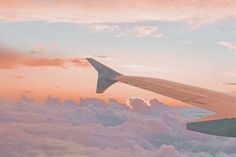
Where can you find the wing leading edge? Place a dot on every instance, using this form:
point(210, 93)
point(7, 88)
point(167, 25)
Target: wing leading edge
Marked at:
point(222, 104)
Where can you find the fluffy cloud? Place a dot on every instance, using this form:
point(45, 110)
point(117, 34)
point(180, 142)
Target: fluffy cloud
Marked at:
point(10, 58)
point(194, 12)
point(92, 128)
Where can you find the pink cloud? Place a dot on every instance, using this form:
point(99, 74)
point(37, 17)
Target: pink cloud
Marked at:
point(92, 128)
point(10, 58)
point(194, 12)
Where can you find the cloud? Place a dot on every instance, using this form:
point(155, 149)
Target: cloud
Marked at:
point(228, 45)
point(139, 67)
point(231, 74)
point(193, 12)
point(137, 31)
point(80, 62)
point(94, 129)
point(18, 76)
point(143, 31)
point(38, 49)
point(10, 58)
point(100, 56)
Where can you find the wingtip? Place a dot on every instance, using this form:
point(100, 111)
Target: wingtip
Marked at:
point(89, 59)
point(106, 75)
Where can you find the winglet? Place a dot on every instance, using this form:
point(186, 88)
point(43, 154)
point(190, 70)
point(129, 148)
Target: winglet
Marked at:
point(106, 76)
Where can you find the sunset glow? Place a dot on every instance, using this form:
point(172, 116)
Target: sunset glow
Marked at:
point(48, 101)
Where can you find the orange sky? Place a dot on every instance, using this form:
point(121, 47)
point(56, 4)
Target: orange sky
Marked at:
point(72, 82)
point(24, 74)
point(184, 41)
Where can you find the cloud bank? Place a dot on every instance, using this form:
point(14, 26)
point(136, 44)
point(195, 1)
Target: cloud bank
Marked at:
point(194, 12)
point(10, 59)
point(95, 129)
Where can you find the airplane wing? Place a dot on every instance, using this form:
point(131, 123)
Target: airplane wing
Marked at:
point(222, 104)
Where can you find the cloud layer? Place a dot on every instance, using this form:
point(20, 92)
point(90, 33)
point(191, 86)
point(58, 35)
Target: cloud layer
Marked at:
point(92, 128)
point(194, 12)
point(10, 58)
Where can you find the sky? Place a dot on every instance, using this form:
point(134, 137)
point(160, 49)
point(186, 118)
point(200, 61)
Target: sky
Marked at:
point(48, 101)
point(43, 45)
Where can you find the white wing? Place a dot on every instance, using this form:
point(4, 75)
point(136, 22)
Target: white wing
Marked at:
point(223, 123)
